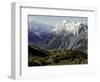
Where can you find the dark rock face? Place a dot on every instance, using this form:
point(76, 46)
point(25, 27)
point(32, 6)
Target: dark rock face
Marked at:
point(37, 52)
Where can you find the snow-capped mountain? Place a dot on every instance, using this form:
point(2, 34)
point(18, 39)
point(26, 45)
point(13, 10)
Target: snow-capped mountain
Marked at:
point(70, 27)
point(70, 35)
point(66, 35)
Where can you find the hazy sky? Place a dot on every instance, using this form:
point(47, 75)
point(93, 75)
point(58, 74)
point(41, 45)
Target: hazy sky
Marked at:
point(54, 20)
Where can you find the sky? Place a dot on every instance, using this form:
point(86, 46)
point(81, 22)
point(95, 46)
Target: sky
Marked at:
point(54, 20)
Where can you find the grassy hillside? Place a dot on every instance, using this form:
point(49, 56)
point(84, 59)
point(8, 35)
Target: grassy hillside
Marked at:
point(41, 57)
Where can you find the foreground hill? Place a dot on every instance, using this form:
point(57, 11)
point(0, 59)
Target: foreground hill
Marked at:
point(41, 57)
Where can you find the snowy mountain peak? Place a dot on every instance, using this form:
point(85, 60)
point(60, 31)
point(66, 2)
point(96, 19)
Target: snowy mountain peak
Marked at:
point(67, 26)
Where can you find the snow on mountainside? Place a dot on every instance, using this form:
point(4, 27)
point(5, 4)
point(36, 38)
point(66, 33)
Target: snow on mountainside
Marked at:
point(70, 35)
point(70, 27)
point(67, 35)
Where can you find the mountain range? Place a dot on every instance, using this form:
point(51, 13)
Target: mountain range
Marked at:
point(66, 35)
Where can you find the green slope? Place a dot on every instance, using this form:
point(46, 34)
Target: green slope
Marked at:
point(41, 57)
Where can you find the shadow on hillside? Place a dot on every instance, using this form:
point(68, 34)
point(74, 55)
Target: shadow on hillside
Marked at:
point(41, 57)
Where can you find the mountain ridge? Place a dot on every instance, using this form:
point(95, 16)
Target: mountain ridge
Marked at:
point(67, 35)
